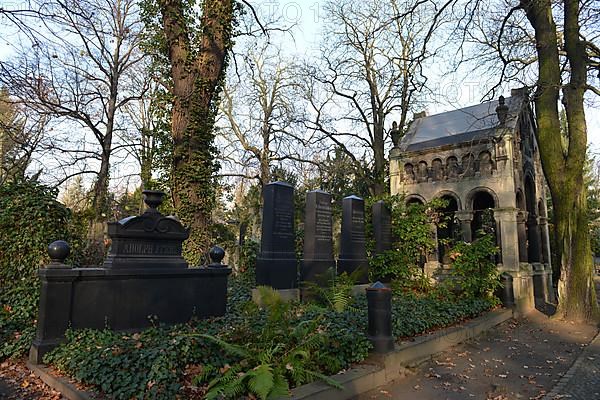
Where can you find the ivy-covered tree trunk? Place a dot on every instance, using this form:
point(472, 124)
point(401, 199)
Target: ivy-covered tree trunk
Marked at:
point(197, 70)
point(564, 165)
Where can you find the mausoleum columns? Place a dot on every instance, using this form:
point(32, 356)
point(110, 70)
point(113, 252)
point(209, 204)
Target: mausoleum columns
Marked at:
point(522, 235)
point(506, 228)
point(465, 218)
point(506, 221)
point(545, 239)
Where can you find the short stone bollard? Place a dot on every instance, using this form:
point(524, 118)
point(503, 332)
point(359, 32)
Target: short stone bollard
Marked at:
point(505, 293)
point(379, 301)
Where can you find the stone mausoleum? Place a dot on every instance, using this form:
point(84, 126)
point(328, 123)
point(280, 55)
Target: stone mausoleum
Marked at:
point(484, 161)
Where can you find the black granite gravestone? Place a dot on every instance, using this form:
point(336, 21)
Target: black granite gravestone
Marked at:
point(353, 254)
point(318, 243)
point(382, 227)
point(276, 266)
point(144, 276)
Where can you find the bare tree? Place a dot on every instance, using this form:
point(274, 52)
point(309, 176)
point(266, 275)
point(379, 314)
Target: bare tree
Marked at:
point(373, 58)
point(262, 110)
point(76, 73)
point(19, 138)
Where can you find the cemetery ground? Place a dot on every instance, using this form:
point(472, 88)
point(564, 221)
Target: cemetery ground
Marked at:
point(522, 358)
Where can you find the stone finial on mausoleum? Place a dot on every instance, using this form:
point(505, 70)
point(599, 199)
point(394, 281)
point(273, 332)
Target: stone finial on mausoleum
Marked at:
point(502, 110)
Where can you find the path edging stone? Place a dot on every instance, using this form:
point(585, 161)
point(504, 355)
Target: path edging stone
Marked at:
point(379, 370)
point(60, 384)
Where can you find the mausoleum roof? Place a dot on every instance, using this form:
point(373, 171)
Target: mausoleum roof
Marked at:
point(459, 126)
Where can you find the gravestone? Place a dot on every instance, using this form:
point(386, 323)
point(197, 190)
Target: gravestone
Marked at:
point(318, 243)
point(276, 266)
point(353, 253)
point(144, 276)
point(148, 241)
point(382, 227)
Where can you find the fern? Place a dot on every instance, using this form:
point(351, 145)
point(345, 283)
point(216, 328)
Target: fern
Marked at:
point(261, 380)
point(337, 293)
point(232, 349)
point(267, 368)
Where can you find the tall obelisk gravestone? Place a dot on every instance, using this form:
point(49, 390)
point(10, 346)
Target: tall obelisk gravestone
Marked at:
point(353, 253)
point(276, 266)
point(318, 243)
point(382, 227)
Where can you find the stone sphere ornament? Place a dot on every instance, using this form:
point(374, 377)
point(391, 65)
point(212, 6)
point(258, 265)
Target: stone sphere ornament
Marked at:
point(59, 251)
point(216, 255)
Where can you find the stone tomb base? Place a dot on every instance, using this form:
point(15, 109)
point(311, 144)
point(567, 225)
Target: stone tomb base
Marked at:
point(317, 271)
point(287, 295)
point(350, 266)
point(279, 273)
point(124, 300)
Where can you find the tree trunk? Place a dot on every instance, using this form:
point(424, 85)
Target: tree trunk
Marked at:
point(100, 202)
point(197, 76)
point(577, 295)
point(563, 167)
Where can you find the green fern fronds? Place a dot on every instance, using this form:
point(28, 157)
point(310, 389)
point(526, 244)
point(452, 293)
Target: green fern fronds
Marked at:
point(261, 380)
point(268, 297)
point(232, 349)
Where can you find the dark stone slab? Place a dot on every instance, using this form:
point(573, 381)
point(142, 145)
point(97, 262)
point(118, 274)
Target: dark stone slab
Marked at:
point(353, 254)
point(276, 265)
point(318, 242)
point(124, 300)
point(382, 227)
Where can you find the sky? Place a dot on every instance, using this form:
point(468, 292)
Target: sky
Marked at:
point(451, 91)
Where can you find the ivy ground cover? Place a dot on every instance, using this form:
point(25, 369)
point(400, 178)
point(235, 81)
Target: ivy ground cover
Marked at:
point(262, 352)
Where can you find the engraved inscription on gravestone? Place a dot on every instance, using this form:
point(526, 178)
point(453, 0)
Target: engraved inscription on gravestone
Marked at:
point(323, 220)
point(318, 243)
point(353, 254)
point(358, 226)
point(276, 265)
point(150, 248)
point(382, 227)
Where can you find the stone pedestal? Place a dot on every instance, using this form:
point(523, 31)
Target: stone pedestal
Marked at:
point(523, 288)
